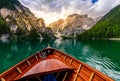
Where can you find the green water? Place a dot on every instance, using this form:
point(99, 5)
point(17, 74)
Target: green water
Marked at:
point(103, 55)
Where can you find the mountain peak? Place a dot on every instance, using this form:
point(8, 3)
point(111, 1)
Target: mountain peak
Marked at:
point(107, 27)
point(20, 21)
point(74, 23)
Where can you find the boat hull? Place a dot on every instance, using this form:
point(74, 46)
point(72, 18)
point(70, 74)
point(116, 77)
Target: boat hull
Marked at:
point(70, 69)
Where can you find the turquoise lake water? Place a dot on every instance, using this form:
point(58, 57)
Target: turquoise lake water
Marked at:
point(104, 55)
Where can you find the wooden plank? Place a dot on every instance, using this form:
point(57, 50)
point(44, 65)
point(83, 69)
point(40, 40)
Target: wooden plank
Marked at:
point(32, 60)
point(75, 63)
point(77, 72)
point(75, 77)
point(56, 53)
point(11, 75)
point(65, 57)
point(62, 56)
point(38, 78)
point(85, 71)
point(68, 59)
point(92, 76)
point(47, 66)
point(99, 78)
point(83, 75)
point(51, 66)
point(59, 54)
point(65, 76)
point(79, 68)
point(57, 75)
point(71, 61)
point(79, 79)
point(23, 66)
point(2, 79)
point(36, 57)
point(28, 63)
point(18, 69)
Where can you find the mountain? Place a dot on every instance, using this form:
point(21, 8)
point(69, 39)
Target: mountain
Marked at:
point(107, 27)
point(58, 25)
point(18, 22)
point(73, 24)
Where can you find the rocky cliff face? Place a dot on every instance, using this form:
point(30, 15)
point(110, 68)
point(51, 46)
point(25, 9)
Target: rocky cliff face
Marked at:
point(58, 25)
point(73, 24)
point(20, 20)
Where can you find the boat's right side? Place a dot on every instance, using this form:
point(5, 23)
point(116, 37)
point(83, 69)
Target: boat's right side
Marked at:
point(82, 71)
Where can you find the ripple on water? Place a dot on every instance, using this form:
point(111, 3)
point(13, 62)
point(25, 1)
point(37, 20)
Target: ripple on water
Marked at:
point(104, 65)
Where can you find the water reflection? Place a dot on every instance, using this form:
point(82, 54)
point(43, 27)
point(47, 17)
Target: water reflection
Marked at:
point(58, 41)
point(14, 48)
point(4, 40)
point(100, 54)
point(13, 52)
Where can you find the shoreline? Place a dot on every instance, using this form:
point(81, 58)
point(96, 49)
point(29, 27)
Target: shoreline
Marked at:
point(113, 38)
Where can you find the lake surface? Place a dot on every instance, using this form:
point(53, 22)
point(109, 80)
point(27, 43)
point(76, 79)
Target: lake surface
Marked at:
point(104, 55)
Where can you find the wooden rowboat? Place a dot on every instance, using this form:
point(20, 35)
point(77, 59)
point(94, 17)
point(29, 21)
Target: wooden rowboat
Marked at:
point(54, 65)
